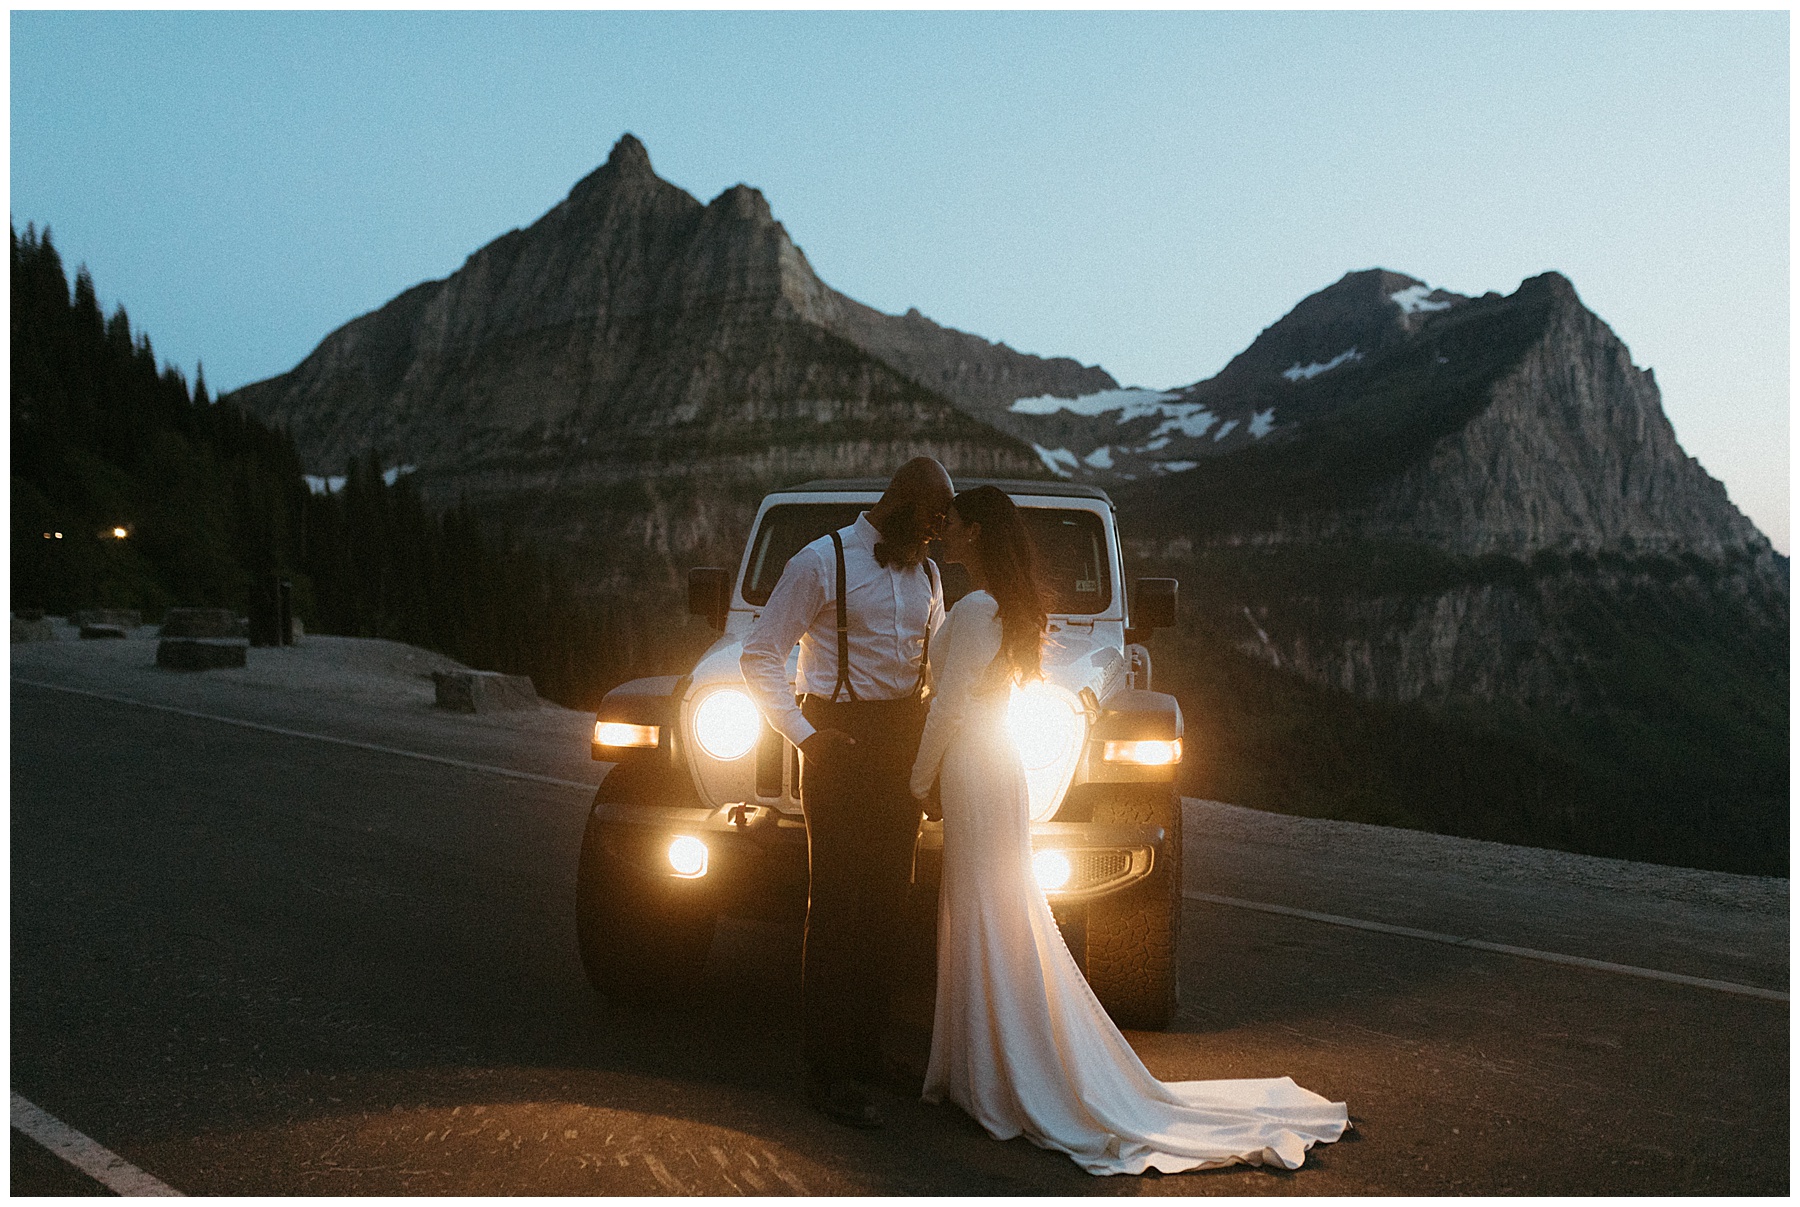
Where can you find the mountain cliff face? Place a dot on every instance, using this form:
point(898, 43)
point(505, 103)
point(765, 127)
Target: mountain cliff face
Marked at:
point(1481, 528)
point(633, 370)
point(1497, 425)
point(1573, 450)
point(1438, 490)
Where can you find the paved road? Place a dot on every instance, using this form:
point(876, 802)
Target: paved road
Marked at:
point(250, 962)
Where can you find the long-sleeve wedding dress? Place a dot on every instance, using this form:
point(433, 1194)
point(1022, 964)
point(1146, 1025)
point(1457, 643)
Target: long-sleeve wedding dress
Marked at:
point(1019, 1040)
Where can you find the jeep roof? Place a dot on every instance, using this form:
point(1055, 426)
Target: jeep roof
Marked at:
point(1012, 486)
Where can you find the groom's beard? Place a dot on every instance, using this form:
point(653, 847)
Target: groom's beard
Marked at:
point(902, 540)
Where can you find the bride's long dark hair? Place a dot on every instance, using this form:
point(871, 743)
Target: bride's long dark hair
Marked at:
point(1009, 562)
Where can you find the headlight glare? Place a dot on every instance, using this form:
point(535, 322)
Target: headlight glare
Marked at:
point(1052, 869)
point(1044, 723)
point(618, 733)
point(687, 856)
point(727, 724)
point(1144, 753)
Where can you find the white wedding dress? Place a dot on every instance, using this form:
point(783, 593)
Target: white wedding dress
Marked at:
point(1019, 1040)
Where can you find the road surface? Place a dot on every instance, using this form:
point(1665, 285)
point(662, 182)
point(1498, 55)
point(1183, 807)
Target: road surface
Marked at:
point(259, 946)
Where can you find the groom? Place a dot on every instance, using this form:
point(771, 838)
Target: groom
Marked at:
point(856, 714)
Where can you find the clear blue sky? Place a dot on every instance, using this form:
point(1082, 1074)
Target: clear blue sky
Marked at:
point(1145, 191)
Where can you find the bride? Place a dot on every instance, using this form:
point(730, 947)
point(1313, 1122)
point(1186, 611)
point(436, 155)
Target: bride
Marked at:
point(1019, 1040)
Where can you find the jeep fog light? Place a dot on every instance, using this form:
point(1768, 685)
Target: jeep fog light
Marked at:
point(727, 724)
point(1144, 754)
point(1052, 869)
point(688, 857)
point(1044, 723)
point(617, 733)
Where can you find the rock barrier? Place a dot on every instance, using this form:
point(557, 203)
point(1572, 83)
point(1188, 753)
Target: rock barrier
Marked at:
point(111, 618)
point(201, 622)
point(483, 691)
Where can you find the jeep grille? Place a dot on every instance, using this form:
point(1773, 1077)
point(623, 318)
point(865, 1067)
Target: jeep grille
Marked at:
point(1096, 869)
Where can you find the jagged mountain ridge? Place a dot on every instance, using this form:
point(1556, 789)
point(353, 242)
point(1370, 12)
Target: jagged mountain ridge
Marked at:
point(1509, 425)
point(632, 326)
point(1379, 407)
point(1263, 393)
point(630, 319)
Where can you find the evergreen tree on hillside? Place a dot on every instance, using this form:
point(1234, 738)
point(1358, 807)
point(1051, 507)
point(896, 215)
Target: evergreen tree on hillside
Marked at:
point(214, 504)
point(104, 441)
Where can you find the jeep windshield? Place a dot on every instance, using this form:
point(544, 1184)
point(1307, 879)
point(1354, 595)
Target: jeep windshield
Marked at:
point(1071, 547)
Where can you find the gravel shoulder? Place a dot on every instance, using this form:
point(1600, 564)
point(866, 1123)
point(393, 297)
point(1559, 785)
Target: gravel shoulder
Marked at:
point(359, 689)
point(1707, 924)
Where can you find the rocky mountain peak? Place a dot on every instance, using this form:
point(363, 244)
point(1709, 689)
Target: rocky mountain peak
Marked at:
point(625, 181)
point(1361, 314)
point(744, 203)
point(629, 156)
point(634, 336)
point(1553, 285)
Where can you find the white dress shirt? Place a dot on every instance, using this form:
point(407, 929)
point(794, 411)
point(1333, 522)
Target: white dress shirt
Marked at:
point(890, 610)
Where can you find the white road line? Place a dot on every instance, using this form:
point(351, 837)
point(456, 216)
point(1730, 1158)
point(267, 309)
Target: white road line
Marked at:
point(316, 737)
point(1505, 949)
point(104, 1166)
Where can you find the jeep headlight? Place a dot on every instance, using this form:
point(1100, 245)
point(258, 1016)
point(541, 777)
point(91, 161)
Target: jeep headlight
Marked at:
point(1148, 753)
point(1047, 726)
point(1044, 723)
point(1052, 869)
point(726, 724)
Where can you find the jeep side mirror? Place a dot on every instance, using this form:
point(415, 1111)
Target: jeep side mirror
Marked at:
point(709, 594)
point(1152, 606)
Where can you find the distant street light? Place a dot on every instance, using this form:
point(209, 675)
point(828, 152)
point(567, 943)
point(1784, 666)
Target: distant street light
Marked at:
point(120, 533)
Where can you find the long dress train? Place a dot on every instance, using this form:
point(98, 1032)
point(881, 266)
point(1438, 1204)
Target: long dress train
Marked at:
point(1019, 1040)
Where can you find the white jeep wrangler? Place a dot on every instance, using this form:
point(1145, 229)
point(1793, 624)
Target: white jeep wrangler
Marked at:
point(700, 814)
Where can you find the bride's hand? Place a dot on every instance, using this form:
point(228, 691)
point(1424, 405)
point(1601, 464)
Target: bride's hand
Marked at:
point(931, 801)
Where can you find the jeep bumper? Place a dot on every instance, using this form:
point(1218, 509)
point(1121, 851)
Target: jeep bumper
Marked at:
point(755, 857)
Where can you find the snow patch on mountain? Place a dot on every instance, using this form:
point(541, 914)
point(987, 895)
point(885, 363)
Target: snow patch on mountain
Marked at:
point(1100, 458)
point(1059, 461)
point(1299, 372)
point(1225, 429)
point(1131, 403)
point(1262, 423)
point(1190, 419)
point(1416, 299)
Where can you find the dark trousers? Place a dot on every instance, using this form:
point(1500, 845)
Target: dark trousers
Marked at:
point(861, 826)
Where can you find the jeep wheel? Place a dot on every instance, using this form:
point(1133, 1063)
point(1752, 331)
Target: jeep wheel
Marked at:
point(639, 942)
point(1133, 939)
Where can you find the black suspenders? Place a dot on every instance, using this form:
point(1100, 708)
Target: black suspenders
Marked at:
point(843, 627)
point(931, 576)
point(843, 630)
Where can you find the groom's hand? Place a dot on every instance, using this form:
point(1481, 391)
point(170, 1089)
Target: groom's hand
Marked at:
point(826, 746)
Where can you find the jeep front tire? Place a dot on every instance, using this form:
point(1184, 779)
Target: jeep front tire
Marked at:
point(1133, 939)
point(641, 940)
